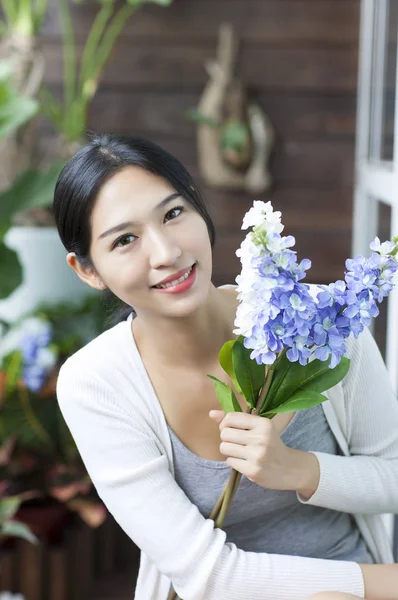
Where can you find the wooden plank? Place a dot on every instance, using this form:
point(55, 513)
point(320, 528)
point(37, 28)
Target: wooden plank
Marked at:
point(308, 208)
point(79, 541)
point(31, 580)
point(57, 578)
point(304, 163)
point(105, 536)
point(182, 64)
point(309, 163)
point(164, 111)
point(7, 570)
point(272, 22)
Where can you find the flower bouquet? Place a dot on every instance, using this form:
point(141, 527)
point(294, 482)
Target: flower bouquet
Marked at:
point(292, 336)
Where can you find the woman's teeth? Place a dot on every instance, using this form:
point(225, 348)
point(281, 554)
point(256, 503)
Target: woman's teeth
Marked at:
point(175, 281)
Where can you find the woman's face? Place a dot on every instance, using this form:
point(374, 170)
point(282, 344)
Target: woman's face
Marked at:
point(149, 245)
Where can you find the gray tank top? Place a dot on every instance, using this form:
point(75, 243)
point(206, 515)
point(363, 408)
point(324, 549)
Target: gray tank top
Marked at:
point(262, 520)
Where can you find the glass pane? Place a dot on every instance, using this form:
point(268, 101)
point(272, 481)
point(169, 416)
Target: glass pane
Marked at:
point(380, 323)
point(384, 64)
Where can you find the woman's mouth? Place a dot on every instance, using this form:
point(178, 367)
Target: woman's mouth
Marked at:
point(176, 286)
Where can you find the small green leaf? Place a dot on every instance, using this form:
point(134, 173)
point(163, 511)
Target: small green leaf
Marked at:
point(291, 377)
point(249, 374)
point(17, 529)
point(8, 507)
point(234, 135)
point(196, 116)
point(225, 360)
point(225, 395)
point(11, 271)
point(32, 189)
point(301, 400)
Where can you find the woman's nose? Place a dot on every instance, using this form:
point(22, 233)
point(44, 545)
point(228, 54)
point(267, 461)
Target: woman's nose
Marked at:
point(163, 250)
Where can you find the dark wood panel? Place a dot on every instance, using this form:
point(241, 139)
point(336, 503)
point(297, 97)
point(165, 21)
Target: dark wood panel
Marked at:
point(181, 65)
point(319, 163)
point(272, 21)
point(327, 249)
point(163, 111)
point(302, 209)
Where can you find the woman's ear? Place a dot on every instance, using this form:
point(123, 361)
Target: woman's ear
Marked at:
point(86, 274)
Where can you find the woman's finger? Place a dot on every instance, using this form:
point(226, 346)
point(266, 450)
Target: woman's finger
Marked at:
point(234, 450)
point(217, 415)
point(240, 420)
point(236, 436)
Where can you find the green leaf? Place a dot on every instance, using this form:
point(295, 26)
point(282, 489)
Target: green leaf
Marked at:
point(196, 116)
point(225, 395)
point(301, 400)
point(11, 271)
point(234, 135)
point(32, 189)
point(8, 507)
point(138, 3)
point(17, 529)
point(249, 374)
point(225, 360)
point(291, 377)
point(16, 113)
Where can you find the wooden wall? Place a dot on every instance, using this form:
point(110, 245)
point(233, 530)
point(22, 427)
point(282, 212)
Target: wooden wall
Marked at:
point(299, 58)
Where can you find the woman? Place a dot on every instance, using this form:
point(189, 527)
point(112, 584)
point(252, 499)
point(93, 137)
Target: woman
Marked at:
point(137, 401)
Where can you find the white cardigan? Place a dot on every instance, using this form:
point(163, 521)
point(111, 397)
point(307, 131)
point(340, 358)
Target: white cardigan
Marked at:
point(119, 427)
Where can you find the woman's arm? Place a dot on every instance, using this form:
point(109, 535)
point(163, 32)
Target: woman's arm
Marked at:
point(123, 457)
point(367, 481)
point(381, 582)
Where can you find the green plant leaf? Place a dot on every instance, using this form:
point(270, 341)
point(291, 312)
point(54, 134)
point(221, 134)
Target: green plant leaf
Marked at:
point(280, 368)
point(299, 401)
point(15, 113)
point(8, 507)
point(249, 374)
point(138, 3)
point(20, 530)
point(234, 135)
point(15, 108)
point(291, 377)
point(196, 116)
point(11, 271)
point(225, 395)
point(32, 189)
point(225, 360)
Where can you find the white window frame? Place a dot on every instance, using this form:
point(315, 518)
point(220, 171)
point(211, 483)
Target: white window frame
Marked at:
point(376, 180)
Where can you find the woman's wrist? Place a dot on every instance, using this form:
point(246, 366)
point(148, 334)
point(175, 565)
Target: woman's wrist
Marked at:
point(307, 473)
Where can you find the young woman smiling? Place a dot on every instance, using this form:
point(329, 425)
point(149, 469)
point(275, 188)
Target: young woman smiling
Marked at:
point(147, 422)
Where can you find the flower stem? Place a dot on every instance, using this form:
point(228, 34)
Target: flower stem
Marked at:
point(230, 492)
point(216, 509)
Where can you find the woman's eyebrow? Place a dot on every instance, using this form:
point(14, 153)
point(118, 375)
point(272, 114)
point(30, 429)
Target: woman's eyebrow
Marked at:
point(125, 224)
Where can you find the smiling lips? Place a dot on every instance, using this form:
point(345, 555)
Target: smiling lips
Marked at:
point(178, 282)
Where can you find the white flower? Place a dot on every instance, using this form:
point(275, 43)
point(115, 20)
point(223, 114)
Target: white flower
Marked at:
point(262, 214)
point(382, 249)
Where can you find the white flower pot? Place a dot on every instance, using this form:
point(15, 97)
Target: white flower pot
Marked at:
point(46, 276)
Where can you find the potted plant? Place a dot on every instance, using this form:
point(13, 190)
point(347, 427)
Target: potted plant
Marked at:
point(27, 235)
point(39, 462)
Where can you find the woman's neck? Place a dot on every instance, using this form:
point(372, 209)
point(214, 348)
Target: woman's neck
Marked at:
point(189, 342)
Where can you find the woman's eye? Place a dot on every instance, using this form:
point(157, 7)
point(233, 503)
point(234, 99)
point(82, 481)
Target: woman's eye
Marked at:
point(173, 213)
point(124, 240)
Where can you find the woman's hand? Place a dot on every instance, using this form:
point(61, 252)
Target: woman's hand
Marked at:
point(254, 447)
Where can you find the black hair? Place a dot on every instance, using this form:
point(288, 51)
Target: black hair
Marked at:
point(86, 172)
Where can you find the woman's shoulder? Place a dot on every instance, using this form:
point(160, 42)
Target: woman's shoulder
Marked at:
point(101, 359)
